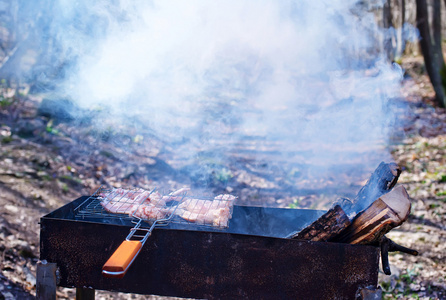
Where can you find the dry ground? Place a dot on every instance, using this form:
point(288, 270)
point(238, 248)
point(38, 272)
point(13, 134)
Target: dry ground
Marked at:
point(422, 155)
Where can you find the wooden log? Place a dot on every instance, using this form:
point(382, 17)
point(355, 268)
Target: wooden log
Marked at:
point(382, 180)
point(334, 221)
point(325, 227)
point(369, 226)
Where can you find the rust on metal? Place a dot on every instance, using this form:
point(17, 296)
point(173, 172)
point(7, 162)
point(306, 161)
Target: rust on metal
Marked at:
point(211, 265)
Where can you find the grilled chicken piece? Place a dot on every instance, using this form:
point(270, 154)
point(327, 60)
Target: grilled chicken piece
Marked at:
point(216, 217)
point(149, 212)
point(152, 206)
point(139, 203)
point(207, 212)
point(121, 201)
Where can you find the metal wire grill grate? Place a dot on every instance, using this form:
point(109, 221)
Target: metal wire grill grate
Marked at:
point(139, 204)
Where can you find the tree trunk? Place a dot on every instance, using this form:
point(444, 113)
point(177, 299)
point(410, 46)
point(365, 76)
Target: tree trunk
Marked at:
point(387, 24)
point(403, 12)
point(438, 52)
point(399, 19)
point(434, 67)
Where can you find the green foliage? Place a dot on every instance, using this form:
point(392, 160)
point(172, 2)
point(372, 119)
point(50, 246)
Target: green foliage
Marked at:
point(401, 286)
point(138, 139)
point(294, 172)
point(295, 204)
point(46, 177)
point(7, 140)
point(6, 102)
point(65, 188)
point(385, 285)
point(399, 60)
point(50, 128)
point(223, 175)
point(433, 205)
point(71, 179)
point(106, 154)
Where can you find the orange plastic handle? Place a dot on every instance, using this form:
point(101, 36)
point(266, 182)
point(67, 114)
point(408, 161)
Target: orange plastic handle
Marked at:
point(118, 264)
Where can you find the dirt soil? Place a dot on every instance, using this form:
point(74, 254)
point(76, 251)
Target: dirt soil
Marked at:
point(46, 163)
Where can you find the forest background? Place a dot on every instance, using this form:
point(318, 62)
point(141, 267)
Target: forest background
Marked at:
point(50, 153)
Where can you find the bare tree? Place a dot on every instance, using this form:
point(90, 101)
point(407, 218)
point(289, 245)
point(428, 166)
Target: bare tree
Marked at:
point(431, 47)
point(398, 11)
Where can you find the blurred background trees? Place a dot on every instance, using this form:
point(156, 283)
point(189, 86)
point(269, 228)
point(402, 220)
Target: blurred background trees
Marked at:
point(28, 52)
point(430, 28)
point(400, 18)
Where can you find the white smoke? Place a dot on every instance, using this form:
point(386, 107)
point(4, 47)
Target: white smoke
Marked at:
point(306, 72)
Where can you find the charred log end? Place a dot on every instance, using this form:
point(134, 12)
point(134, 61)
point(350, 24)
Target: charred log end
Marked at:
point(395, 169)
point(382, 180)
point(387, 212)
point(326, 226)
point(386, 207)
point(396, 172)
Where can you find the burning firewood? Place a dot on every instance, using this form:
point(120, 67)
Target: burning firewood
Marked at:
point(337, 219)
point(382, 180)
point(325, 227)
point(387, 212)
point(378, 208)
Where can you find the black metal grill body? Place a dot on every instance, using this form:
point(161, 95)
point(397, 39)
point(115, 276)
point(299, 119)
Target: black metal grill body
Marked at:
point(249, 260)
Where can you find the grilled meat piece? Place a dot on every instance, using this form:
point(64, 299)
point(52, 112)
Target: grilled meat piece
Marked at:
point(207, 212)
point(139, 203)
point(148, 205)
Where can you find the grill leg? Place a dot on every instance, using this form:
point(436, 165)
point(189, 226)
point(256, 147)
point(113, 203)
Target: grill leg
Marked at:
point(46, 280)
point(369, 293)
point(84, 294)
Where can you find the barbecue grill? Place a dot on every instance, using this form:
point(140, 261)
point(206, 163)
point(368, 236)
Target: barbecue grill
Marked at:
point(149, 210)
point(250, 259)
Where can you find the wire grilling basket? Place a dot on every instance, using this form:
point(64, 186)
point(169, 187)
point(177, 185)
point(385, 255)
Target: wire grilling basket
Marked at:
point(148, 210)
